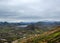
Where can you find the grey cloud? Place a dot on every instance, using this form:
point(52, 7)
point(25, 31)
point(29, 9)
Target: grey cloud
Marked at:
point(27, 10)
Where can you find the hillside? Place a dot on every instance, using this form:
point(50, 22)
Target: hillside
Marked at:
point(52, 36)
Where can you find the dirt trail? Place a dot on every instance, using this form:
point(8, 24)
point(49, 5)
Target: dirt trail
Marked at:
point(15, 41)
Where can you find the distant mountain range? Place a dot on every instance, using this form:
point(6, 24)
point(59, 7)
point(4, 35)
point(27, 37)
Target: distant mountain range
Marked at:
point(15, 24)
point(48, 23)
point(27, 23)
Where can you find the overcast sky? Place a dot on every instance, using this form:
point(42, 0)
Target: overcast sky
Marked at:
point(29, 10)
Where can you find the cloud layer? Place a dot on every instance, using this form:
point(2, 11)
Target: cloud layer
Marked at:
point(29, 10)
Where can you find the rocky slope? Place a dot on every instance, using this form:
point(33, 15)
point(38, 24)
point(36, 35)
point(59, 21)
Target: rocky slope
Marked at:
point(52, 36)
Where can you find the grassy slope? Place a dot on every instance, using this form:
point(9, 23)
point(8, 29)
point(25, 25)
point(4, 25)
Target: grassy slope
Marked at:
point(52, 36)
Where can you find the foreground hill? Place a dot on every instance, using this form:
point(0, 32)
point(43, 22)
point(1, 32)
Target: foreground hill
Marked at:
point(52, 36)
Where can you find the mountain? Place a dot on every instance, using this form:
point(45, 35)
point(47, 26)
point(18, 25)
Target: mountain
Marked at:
point(43, 26)
point(52, 36)
point(39, 32)
point(48, 23)
point(28, 23)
